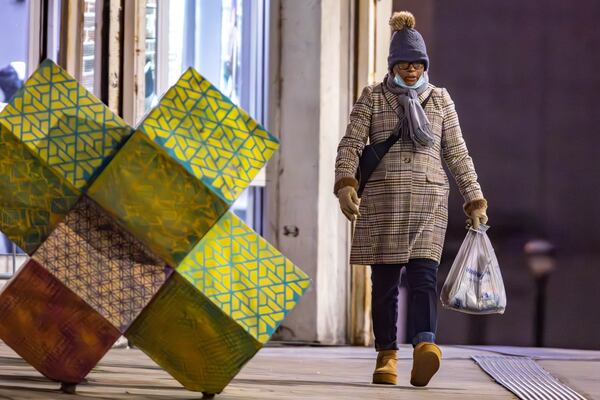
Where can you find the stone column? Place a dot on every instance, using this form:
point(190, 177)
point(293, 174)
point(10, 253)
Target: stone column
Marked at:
point(310, 61)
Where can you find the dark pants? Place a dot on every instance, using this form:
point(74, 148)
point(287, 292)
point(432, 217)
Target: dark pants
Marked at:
point(421, 274)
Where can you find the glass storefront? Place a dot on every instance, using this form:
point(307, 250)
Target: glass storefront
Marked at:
point(88, 54)
point(13, 52)
point(150, 95)
point(216, 38)
point(222, 39)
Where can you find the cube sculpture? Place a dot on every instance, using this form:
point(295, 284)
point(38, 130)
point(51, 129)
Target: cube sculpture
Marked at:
point(129, 232)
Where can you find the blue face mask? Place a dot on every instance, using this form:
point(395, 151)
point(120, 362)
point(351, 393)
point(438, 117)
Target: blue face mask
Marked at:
point(400, 82)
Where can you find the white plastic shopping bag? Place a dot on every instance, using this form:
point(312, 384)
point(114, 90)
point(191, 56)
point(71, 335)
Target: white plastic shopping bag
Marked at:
point(474, 284)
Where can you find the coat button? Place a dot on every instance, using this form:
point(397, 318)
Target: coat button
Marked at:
point(406, 159)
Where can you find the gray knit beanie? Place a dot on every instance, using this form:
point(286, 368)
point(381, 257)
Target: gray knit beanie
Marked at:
point(406, 44)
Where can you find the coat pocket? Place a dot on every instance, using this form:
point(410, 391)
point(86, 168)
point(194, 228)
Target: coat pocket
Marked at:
point(436, 176)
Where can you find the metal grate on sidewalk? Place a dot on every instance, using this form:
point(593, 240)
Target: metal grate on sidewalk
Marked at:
point(525, 378)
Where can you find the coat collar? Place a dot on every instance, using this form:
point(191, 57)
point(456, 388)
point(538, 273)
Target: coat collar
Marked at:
point(425, 93)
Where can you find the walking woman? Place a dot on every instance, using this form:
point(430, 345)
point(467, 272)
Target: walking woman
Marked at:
point(402, 215)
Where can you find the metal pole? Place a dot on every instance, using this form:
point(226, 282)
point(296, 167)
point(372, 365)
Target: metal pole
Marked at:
point(541, 257)
point(540, 307)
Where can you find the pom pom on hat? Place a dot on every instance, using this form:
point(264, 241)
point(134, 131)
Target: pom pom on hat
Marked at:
point(401, 19)
point(406, 44)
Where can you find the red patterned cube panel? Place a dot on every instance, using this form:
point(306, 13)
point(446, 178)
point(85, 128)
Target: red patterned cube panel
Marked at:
point(51, 327)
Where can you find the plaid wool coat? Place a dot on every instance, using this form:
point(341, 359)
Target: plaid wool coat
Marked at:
point(404, 206)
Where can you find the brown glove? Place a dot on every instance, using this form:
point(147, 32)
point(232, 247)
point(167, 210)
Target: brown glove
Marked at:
point(349, 202)
point(476, 211)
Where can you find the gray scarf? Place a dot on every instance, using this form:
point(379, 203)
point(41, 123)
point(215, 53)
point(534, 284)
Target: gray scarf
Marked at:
point(417, 124)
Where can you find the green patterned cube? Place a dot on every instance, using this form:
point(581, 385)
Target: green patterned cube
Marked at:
point(245, 276)
point(64, 125)
point(216, 141)
point(156, 199)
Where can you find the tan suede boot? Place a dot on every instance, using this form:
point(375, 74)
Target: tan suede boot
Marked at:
point(385, 370)
point(427, 358)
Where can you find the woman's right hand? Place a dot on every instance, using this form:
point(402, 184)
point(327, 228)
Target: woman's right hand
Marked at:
point(349, 202)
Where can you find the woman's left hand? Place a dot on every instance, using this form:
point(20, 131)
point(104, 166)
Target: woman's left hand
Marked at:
point(477, 216)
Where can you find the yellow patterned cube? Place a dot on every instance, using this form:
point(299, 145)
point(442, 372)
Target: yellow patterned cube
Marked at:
point(215, 140)
point(64, 125)
point(245, 276)
point(167, 185)
point(156, 199)
point(191, 338)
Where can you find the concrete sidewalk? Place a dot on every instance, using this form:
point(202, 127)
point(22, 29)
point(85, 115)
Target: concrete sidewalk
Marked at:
point(300, 373)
